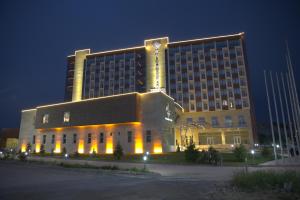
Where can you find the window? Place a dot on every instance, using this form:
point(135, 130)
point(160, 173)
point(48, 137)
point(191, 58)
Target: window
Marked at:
point(45, 118)
point(228, 121)
point(74, 138)
point(44, 139)
point(129, 136)
point(237, 140)
point(66, 116)
point(53, 139)
point(210, 140)
point(242, 121)
point(201, 120)
point(89, 140)
point(214, 122)
point(101, 137)
point(189, 120)
point(33, 139)
point(64, 138)
point(148, 136)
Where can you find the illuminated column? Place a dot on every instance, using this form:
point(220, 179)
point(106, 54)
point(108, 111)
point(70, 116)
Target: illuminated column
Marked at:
point(78, 73)
point(155, 62)
point(138, 139)
point(223, 137)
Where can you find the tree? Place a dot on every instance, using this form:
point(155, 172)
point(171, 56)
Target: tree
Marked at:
point(191, 153)
point(42, 150)
point(118, 151)
point(240, 152)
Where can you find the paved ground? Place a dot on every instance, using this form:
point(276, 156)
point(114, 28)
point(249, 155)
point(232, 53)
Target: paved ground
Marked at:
point(33, 181)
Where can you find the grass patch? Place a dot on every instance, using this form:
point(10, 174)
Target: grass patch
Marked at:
point(287, 181)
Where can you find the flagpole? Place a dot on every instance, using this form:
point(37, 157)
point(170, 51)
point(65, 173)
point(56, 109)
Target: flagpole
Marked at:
point(288, 114)
point(282, 115)
point(271, 118)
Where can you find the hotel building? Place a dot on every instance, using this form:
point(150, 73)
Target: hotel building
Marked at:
point(153, 98)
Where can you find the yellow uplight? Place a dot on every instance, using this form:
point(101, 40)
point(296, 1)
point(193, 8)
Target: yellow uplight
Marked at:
point(23, 147)
point(81, 146)
point(94, 147)
point(57, 147)
point(157, 148)
point(109, 145)
point(37, 148)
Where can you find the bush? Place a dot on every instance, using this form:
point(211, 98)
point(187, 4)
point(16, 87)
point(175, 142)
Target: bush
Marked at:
point(213, 156)
point(42, 150)
point(28, 147)
point(191, 153)
point(118, 152)
point(265, 152)
point(22, 156)
point(178, 149)
point(76, 154)
point(288, 181)
point(240, 153)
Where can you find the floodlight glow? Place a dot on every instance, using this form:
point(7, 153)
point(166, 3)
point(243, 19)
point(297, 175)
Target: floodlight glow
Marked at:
point(252, 151)
point(144, 158)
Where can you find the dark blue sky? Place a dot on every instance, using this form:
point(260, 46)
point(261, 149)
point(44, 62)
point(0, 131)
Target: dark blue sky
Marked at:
point(36, 36)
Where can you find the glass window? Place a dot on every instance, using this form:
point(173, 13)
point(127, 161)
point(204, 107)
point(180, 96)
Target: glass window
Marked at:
point(33, 139)
point(237, 140)
point(44, 139)
point(129, 136)
point(214, 121)
point(148, 136)
point(64, 139)
point(201, 120)
point(53, 139)
point(66, 116)
point(242, 121)
point(45, 118)
point(101, 137)
point(210, 140)
point(74, 138)
point(189, 120)
point(228, 121)
point(89, 140)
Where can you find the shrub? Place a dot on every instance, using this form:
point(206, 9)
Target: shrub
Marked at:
point(118, 152)
point(213, 156)
point(64, 151)
point(22, 156)
point(76, 154)
point(240, 152)
point(28, 147)
point(288, 181)
point(42, 150)
point(191, 153)
point(265, 152)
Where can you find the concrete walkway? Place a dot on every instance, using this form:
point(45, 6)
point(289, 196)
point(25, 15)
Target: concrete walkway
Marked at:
point(203, 172)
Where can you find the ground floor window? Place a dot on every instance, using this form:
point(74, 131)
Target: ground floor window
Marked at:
point(148, 136)
point(210, 140)
point(237, 140)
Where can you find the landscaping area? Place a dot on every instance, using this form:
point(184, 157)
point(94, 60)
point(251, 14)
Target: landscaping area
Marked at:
point(239, 157)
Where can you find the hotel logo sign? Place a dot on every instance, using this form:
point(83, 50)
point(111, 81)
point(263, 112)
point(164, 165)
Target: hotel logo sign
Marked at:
point(156, 46)
point(168, 111)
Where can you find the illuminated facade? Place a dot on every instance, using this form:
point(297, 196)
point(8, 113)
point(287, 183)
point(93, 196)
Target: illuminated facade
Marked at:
point(206, 77)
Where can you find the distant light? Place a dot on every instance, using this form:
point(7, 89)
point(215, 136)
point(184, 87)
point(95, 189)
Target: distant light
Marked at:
point(26, 154)
point(232, 145)
point(147, 153)
point(252, 151)
point(66, 155)
point(256, 145)
point(144, 158)
point(277, 145)
point(1, 152)
point(11, 150)
point(29, 150)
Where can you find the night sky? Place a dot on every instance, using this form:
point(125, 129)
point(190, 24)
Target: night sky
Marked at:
point(37, 36)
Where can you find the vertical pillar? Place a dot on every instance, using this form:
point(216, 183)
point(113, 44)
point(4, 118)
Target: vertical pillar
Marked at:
point(78, 74)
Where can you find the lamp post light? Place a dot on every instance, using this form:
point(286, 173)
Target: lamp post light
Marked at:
point(252, 152)
point(66, 156)
point(145, 160)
